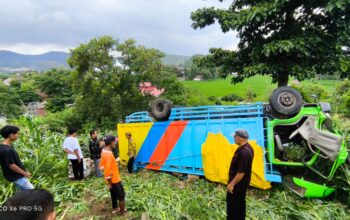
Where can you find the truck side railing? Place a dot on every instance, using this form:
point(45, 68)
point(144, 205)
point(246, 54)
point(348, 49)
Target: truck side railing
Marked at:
point(204, 113)
point(216, 112)
point(138, 117)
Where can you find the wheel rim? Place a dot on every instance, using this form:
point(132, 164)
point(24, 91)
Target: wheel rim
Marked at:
point(160, 107)
point(287, 99)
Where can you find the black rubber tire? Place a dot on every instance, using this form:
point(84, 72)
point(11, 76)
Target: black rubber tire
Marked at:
point(286, 101)
point(161, 109)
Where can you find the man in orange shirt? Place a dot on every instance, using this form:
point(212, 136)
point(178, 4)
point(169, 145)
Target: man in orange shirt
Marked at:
point(111, 172)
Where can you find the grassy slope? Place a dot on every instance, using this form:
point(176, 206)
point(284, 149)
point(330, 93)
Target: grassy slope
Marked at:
point(261, 85)
point(163, 196)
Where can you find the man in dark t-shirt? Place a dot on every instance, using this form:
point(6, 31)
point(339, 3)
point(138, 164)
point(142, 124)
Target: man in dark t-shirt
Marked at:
point(11, 165)
point(239, 176)
point(95, 151)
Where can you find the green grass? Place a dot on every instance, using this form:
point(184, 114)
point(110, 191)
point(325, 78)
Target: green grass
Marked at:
point(261, 85)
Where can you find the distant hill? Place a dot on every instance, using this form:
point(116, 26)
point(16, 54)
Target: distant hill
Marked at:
point(175, 60)
point(15, 62)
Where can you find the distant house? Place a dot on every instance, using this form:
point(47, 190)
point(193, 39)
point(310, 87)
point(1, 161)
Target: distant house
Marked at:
point(148, 88)
point(234, 74)
point(198, 78)
point(36, 108)
point(7, 81)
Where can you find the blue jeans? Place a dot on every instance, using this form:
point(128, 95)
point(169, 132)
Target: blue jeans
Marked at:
point(23, 184)
point(97, 167)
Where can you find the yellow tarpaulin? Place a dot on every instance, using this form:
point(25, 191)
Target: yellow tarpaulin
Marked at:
point(217, 153)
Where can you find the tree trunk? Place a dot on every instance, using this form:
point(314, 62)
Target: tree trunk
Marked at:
point(282, 79)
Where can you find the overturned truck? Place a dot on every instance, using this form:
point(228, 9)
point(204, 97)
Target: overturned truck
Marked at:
point(294, 142)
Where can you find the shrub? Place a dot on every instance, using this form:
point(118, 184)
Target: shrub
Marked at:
point(311, 93)
point(251, 95)
point(341, 97)
point(232, 98)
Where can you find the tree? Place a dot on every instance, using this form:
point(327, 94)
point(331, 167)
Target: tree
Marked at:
point(57, 85)
point(25, 91)
point(107, 90)
point(95, 81)
point(280, 38)
point(10, 106)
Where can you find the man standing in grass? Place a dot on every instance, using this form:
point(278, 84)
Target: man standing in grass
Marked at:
point(239, 176)
point(95, 151)
point(111, 172)
point(131, 151)
point(72, 148)
point(11, 165)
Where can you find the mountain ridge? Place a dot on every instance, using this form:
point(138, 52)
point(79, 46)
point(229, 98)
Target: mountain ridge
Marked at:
point(16, 62)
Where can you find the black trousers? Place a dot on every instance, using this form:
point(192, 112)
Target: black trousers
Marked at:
point(236, 206)
point(117, 193)
point(78, 169)
point(130, 164)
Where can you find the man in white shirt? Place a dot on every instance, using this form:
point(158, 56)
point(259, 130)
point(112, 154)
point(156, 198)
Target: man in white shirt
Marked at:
point(72, 148)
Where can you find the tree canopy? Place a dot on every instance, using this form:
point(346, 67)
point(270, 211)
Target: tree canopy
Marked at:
point(107, 75)
point(281, 38)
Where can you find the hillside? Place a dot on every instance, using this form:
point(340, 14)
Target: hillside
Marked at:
point(12, 62)
point(16, 62)
point(175, 60)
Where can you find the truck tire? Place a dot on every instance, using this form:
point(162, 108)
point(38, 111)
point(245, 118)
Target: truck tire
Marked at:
point(161, 109)
point(286, 101)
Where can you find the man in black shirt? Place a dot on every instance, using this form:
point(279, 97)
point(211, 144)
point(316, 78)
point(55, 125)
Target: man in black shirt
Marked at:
point(95, 151)
point(11, 165)
point(239, 176)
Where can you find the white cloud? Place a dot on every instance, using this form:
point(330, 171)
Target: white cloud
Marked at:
point(32, 49)
point(35, 25)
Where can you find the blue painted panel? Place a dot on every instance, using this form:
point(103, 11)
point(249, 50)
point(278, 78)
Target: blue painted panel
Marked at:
point(186, 156)
point(150, 143)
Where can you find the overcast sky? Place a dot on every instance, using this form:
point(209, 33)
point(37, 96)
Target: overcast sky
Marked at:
point(37, 26)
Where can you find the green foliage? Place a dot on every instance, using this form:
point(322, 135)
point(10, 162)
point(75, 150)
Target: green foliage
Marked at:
point(57, 85)
point(341, 97)
point(106, 92)
point(41, 152)
point(25, 91)
point(251, 95)
point(193, 98)
point(61, 121)
point(222, 87)
point(232, 98)
point(280, 38)
point(95, 81)
point(158, 194)
point(9, 102)
point(312, 93)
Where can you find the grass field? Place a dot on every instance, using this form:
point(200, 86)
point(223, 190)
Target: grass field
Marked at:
point(261, 85)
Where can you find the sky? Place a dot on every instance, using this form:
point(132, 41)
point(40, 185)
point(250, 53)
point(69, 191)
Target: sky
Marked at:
point(38, 26)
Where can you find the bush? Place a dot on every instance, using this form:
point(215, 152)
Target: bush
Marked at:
point(251, 95)
point(341, 100)
point(232, 98)
point(60, 121)
point(311, 93)
point(214, 100)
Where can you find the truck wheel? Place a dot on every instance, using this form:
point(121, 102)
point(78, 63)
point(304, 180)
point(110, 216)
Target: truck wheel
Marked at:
point(286, 101)
point(161, 109)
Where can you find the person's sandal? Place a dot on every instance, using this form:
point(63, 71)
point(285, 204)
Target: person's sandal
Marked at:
point(125, 212)
point(115, 210)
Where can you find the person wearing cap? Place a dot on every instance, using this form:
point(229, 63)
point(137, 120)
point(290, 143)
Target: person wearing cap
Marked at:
point(112, 175)
point(239, 176)
point(131, 151)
